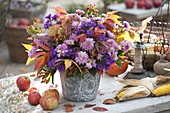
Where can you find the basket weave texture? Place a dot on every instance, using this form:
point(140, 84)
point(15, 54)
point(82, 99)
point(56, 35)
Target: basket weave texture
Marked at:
point(14, 38)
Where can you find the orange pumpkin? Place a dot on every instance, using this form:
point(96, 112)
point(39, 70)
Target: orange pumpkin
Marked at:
point(115, 70)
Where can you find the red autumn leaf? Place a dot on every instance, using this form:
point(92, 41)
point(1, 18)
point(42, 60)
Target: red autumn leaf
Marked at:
point(39, 62)
point(38, 54)
point(69, 107)
point(109, 21)
point(47, 56)
point(89, 105)
point(43, 46)
point(101, 109)
point(60, 10)
point(82, 37)
point(109, 101)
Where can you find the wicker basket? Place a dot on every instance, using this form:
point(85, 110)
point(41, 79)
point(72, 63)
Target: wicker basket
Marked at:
point(36, 11)
point(14, 37)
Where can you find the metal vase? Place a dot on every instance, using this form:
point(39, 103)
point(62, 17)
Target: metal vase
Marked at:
point(80, 89)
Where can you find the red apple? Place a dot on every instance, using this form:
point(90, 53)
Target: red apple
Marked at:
point(48, 102)
point(34, 97)
point(157, 3)
point(129, 3)
point(23, 83)
point(141, 4)
point(23, 22)
point(52, 92)
point(148, 4)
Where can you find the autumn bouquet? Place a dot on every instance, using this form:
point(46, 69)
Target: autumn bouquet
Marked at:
point(84, 41)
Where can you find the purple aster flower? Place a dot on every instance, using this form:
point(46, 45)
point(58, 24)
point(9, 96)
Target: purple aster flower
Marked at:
point(110, 35)
point(32, 52)
point(80, 12)
point(100, 65)
point(55, 16)
point(90, 33)
point(47, 24)
point(108, 59)
point(126, 24)
point(125, 45)
point(94, 63)
point(48, 16)
point(82, 57)
point(101, 26)
point(43, 38)
point(85, 20)
point(114, 56)
point(61, 68)
point(88, 24)
point(61, 49)
point(69, 42)
point(73, 37)
point(76, 24)
point(88, 44)
point(81, 31)
point(97, 19)
point(74, 16)
point(112, 50)
point(102, 37)
point(111, 42)
point(89, 65)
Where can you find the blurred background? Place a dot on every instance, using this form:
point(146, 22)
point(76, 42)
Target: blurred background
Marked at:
point(17, 14)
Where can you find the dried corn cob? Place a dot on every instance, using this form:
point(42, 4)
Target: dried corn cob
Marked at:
point(162, 90)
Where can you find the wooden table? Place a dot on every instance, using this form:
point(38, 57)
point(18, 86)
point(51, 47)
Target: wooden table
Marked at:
point(108, 86)
point(136, 14)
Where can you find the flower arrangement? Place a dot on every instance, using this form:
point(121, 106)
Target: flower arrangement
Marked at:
point(84, 41)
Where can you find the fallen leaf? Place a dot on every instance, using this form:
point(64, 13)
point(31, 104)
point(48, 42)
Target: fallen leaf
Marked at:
point(109, 101)
point(69, 107)
point(23, 70)
point(101, 109)
point(80, 108)
point(89, 105)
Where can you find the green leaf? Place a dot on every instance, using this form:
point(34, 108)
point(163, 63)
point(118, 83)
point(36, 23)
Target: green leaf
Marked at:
point(45, 68)
point(119, 63)
point(93, 71)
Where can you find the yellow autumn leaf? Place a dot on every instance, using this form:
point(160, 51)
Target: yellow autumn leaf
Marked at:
point(114, 16)
point(28, 47)
point(67, 63)
point(29, 60)
point(127, 36)
point(53, 30)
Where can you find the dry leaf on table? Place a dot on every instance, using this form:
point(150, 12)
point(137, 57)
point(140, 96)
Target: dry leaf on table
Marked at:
point(89, 105)
point(101, 109)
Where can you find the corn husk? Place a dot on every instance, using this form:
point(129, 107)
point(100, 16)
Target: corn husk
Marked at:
point(132, 93)
point(135, 88)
